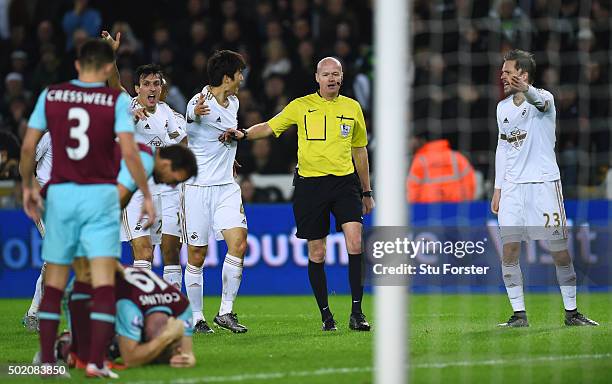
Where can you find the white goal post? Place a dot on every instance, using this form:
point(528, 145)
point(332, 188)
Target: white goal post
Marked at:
point(393, 68)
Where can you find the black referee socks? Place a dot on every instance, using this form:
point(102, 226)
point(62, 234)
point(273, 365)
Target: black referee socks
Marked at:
point(318, 282)
point(354, 267)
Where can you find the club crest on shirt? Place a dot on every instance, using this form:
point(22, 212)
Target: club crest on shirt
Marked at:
point(156, 142)
point(516, 137)
point(345, 129)
point(137, 321)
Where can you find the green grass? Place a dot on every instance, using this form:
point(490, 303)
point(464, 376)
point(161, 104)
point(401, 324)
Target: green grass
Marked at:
point(452, 339)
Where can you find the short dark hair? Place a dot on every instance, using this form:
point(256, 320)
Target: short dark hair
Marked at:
point(224, 63)
point(180, 158)
point(94, 53)
point(524, 61)
point(146, 70)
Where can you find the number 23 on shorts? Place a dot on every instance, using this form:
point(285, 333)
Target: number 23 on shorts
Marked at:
point(556, 219)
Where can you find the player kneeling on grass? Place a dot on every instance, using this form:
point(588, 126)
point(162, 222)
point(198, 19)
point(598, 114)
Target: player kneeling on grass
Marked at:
point(168, 165)
point(153, 321)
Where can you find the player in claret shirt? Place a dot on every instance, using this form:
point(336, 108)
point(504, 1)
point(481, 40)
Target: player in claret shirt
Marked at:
point(153, 321)
point(82, 204)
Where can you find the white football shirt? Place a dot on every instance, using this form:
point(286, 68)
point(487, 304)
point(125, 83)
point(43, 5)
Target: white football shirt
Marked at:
point(157, 127)
point(156, 130)
point(215, 159)
point(181, 123)
point(529, 137)
point(44, 159)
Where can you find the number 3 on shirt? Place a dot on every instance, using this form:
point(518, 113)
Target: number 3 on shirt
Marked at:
point(79, 133)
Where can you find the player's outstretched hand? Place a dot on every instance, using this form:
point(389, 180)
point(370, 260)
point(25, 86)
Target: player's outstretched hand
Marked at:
point(495, 201)
point(148, 209)
point(140, 114)
point(113, 42)
point(32, 202)
point(182, 360)
point(201, 108)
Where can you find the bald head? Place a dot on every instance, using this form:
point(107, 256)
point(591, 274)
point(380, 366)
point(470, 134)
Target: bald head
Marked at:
point(329, 77)
point(329, 62)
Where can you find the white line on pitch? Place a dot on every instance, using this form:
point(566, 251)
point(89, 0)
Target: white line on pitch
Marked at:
point(349, 370)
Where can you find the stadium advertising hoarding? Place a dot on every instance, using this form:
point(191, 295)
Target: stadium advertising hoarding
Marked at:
point(276, 260)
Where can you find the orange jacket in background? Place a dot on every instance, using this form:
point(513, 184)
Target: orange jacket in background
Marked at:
point(439, 174)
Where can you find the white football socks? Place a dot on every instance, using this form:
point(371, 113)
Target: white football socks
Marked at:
point(513, 280)
point(174, 275)
point(232, 276)
point(566, 276)
point(142, 264)
point(37, 295)
point(194, 285)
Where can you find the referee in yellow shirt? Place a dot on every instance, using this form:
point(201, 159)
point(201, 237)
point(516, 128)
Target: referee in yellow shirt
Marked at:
point(331, 134)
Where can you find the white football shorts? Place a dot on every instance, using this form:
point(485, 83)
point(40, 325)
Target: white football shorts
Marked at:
point(216, 207)
point(170, 212)
point(132, 228)
point(532, 211)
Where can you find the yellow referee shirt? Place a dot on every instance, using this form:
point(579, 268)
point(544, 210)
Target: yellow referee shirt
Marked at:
point(327, 131)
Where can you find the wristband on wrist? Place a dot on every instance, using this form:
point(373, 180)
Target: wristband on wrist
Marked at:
point(244, 132)
point(366, 194)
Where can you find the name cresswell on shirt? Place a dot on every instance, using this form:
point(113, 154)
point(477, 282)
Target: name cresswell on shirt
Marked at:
point(70, 96)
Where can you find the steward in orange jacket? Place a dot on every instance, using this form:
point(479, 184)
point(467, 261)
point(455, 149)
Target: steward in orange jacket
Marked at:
point(439, 174)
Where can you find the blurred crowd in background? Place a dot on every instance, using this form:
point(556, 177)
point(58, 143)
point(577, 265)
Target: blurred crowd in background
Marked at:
point(457, 52)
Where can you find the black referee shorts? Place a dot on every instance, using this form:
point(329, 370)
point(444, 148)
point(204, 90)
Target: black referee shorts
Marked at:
point(316, 197)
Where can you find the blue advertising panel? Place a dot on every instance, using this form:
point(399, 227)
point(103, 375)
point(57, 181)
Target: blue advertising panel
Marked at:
point(276, 260)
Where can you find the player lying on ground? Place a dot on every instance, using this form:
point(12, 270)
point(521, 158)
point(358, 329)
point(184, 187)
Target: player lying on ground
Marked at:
point(153, 322)
point(168, 165)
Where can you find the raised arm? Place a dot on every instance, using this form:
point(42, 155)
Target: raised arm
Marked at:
point(114, 80)
point(532, 95)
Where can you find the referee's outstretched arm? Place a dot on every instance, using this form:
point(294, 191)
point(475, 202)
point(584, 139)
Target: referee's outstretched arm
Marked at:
point(257, 131)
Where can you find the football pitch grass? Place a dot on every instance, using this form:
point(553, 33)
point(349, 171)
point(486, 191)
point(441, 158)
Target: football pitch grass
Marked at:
point(452, 339)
